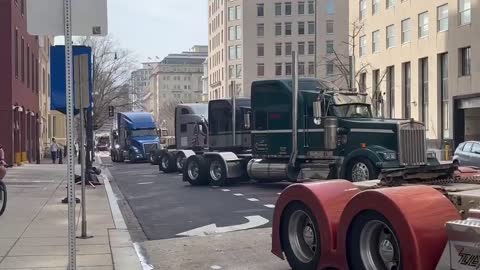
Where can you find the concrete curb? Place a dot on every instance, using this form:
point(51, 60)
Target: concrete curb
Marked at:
point(126, 254)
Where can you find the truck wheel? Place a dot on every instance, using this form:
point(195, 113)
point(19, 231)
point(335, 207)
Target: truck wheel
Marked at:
point(167, 163)
point(131, 157)
point(361, 169)
point(195, 171)
point(217, 173)
point(300, 237)
point(372, 243)
point(120, 157)
point(179, 162)
point(151, 158)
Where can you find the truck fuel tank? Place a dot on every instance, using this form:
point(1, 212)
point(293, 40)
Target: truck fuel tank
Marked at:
point(266, 171)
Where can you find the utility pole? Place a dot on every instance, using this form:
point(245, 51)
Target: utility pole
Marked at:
point(316, 39)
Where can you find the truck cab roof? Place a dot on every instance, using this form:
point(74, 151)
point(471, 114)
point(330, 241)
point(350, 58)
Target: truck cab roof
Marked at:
point(138, 120)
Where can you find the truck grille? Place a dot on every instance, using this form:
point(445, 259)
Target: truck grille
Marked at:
point(149, 147)
point(412, 144)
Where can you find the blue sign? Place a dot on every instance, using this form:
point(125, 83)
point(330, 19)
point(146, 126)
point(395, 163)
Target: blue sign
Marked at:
point(57, 69)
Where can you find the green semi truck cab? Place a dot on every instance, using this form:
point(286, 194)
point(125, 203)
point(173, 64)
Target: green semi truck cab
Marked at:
point(338, 134)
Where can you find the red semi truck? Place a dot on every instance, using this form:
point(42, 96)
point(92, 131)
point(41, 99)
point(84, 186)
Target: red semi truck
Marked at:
point(393, 224)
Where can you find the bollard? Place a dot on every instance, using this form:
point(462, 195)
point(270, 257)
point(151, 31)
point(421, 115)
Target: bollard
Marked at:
point(60, 156)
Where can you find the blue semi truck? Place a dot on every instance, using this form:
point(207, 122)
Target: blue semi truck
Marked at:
point(134, 136)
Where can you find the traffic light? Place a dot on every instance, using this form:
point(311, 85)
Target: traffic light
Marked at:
point(111, 111)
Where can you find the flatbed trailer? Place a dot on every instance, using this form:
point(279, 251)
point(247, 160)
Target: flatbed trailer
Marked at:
point(392, 223)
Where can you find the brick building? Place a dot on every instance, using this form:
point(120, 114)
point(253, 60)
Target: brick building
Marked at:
point(19, 84)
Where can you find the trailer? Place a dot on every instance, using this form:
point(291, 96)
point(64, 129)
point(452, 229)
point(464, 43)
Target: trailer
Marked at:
point(191, 137)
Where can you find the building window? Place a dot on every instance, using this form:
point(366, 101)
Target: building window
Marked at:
point(288, 29)
point(464, 10)
point(278, 49)
point(465, 61)
point(423, 95)
point(301, 48)
point(301, 68)
point(330, 47)
point(260, 70)
point(238, 31)
point(238, 51)
point(311, 68)
point(330, 27)
point(260, 10)
point(231, 53)
point(311, 28)
point(231, 70)
point(301, 28)
point(288, 8)
point(406, 86)
point(311, 7)
point(406, 31)
point(330, 7)
point(16, 54)
point(423, 24)
point(442, 15)
point(231, 33)
point(390, 3)
point(444, 93)
point(301, 8)
point(260, 30)
point(376, 41)
point(363, 9)
point(278, 9)
point(363, 45)
point(288, 69)
point(311, 47)
point(288, 49)
point(278, 69)
point(260, 50)
point(278, 29)
point(375, 6)
point(238, 12)
point(390, 36)
point(231, 13)
point(391, 90)
point(238, 69)
point(363, 82)
point(330, 68)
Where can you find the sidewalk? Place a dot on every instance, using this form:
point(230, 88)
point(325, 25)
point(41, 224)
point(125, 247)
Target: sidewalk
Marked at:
point(33, 229)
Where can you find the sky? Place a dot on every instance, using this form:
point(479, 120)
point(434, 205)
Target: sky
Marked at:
point(155, 28)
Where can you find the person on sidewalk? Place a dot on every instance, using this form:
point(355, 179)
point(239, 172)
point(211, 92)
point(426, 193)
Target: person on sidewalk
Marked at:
point(54, 150)
point(3, 164)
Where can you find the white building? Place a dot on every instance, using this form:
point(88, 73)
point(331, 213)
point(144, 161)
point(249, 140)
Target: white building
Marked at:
point(254, 39)
point(139, 81)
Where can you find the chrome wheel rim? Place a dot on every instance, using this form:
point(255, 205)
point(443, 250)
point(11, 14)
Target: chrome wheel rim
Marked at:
point(193, 170)
point(360, 172)
point(165, 162)
point(379, 248)
point(216, 170)
point(179, 162)
point(302, 236)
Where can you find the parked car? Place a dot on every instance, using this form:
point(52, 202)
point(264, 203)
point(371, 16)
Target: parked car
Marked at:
point(468, 154)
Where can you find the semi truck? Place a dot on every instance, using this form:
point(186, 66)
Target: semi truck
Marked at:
point(191, 136)
point(133, 137)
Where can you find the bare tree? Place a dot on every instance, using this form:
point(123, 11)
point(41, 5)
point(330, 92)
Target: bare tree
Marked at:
point(111, 77)
point(166, 114)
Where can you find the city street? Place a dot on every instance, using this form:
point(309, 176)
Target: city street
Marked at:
point(171, 219)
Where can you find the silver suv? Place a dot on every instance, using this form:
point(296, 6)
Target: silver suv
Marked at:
point(468, 154)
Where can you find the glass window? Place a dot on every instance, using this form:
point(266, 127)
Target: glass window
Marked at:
point(468, 147)
point(406, 31)
point(330, 67)
point(390, 36)
point(311, 7)
point(260, 30)
point(301, 48)
point(442, 15)
point(260, 70)
point(311, 28)
point(330, 27)
point(423, 25)
point(288, 29)
point(278, 69)
point(278, 9)
point(231, 33)
point(301, 28)
point(301, 8)
point(390, 3)
point(238, 31)
point(464, 8)
point(231, 13)
point(476, 148)
point(231, 69)
point(301, 68)
point(330, 7)
point(465, 60)
point(330, 46)
point(260, 50)
point(363, 9)
point(260, 10)
point(288, 48)
point(311, 47)
point(231, 53)
point(311, 68)
point(278, 49)
point(238, 50)
point(238, 71)
point(238, 12)
point(376, 41)
point(363, 45)
point(278, 29)
point(288, 69)
point(288, 8)
point(375, 6)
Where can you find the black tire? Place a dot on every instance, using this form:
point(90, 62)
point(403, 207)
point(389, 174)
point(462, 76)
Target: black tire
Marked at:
point(131, 157)
point(3, 197)
point(120, 157)
point(296, 262)
point(353, 244)
point(217, 173)
point(366, 164)
point(179, 163)
point(167, 163)
point(201, 177)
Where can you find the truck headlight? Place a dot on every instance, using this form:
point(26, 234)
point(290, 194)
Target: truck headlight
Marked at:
point(117, 146)
point(389, 155)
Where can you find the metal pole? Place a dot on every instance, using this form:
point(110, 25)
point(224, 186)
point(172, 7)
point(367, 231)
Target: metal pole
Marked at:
point(234, 113)
point(316, 40)
point(295, 93)
point(82, 155)
point(67, 9)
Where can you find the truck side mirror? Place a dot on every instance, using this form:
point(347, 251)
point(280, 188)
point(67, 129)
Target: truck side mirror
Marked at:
point(317, 112)
point(246, 120)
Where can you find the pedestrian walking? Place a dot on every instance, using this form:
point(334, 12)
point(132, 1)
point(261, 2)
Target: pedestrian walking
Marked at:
point(54, 150)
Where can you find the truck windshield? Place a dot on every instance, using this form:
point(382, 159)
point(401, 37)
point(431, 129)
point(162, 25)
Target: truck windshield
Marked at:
point(144, 132)
point(351, 111)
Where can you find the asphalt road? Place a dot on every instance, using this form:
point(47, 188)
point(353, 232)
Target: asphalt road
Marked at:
point(165, 206)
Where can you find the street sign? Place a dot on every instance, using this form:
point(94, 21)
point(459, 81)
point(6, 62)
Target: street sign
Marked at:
point(253, 222)
point(89, 17)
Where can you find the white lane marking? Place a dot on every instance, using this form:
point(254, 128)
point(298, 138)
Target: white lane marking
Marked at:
point(253, 199)
point(238, 194)
point(226, 190)
point(253, 221)
point(215, 267)
point(145, 183)
point(269, 205)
